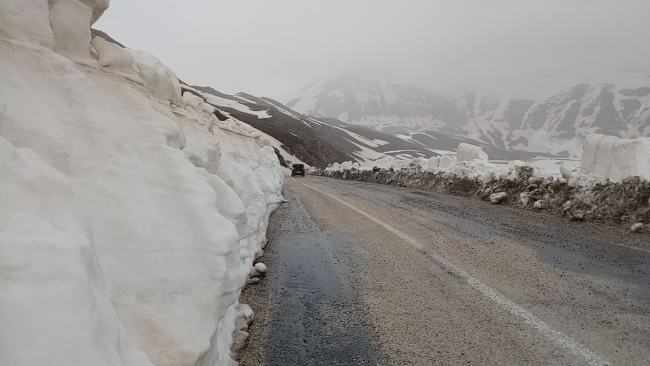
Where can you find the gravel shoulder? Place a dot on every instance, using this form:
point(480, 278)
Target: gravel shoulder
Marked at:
point(589, 282)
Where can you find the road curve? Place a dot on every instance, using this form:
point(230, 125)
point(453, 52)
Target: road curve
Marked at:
point(361, 273)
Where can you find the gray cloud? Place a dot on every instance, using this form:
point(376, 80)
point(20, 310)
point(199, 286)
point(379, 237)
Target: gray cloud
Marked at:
point(514, 47)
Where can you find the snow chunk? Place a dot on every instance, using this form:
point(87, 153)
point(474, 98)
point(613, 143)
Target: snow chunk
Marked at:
point(441, 162)
point(260, 267)
point(566, 171)
point(614, 158)
point(159, 80)
point(467, 152)
point(114, 56)
point(346, 165)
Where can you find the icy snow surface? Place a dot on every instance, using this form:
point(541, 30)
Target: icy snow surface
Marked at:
point(129, 218)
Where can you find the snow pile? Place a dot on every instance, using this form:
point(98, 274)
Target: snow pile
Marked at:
point(385, 162)
point(467, 152)
point(440, 162)
point(130, 219)
point(614, 158)
point(581, 197)
point(479, 168)
point(344, 166)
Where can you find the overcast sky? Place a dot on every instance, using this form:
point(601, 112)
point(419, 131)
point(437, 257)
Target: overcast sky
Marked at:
point(265, 47)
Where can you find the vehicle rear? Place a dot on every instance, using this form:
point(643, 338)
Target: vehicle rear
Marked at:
point(298, 169)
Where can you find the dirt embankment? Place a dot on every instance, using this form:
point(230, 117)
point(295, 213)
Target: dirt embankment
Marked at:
point(624, 203)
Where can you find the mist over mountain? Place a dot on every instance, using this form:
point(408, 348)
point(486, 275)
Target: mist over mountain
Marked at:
point(555, 124)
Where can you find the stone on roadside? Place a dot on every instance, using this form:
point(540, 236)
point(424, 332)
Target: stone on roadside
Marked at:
point(577, 215)
point(637, 227)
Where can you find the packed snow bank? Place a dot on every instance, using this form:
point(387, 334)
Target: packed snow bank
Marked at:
point(130, 219)
point(440, 162)
point(614, 158)
point(467, 152)
point(582, 197)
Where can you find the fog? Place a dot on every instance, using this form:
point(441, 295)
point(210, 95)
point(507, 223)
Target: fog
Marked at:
point(265, 47)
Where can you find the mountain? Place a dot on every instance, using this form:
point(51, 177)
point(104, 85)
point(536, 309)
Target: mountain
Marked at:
point(377, 103)
point(322, 141)
point(555, 125)
point(315, 141)
point(558, 124)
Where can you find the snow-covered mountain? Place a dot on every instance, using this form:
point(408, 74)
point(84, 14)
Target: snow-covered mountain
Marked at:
point(317, 142)
point(556, 125)
point(382, 104)
point(322, 141)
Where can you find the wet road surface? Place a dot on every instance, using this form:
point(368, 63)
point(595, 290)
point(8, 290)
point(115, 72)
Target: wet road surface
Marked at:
point(364, 274)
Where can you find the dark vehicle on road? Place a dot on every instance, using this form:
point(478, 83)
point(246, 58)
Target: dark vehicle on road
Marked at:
point(298, 169)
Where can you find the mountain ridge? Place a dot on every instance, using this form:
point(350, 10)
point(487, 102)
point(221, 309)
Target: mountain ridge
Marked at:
point(556, 124)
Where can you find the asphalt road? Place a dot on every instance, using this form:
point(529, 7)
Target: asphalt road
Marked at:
point(365, 274)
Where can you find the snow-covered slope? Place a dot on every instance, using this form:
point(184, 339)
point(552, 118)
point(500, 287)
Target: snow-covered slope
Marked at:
point(555, 124)
point(367, 101)
point(560, 123)
point(129, 218)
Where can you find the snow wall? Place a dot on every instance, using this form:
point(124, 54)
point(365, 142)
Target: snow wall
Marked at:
point(467, 152)
point(442, 162)
point(580, 197)
point(612, 185)
point(614, 158)
point(129, 215)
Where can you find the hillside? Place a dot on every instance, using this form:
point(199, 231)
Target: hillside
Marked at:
point(316, 141)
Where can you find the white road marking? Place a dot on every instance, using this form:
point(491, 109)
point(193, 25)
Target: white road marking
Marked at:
point(631, 247)
point(556, 336)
